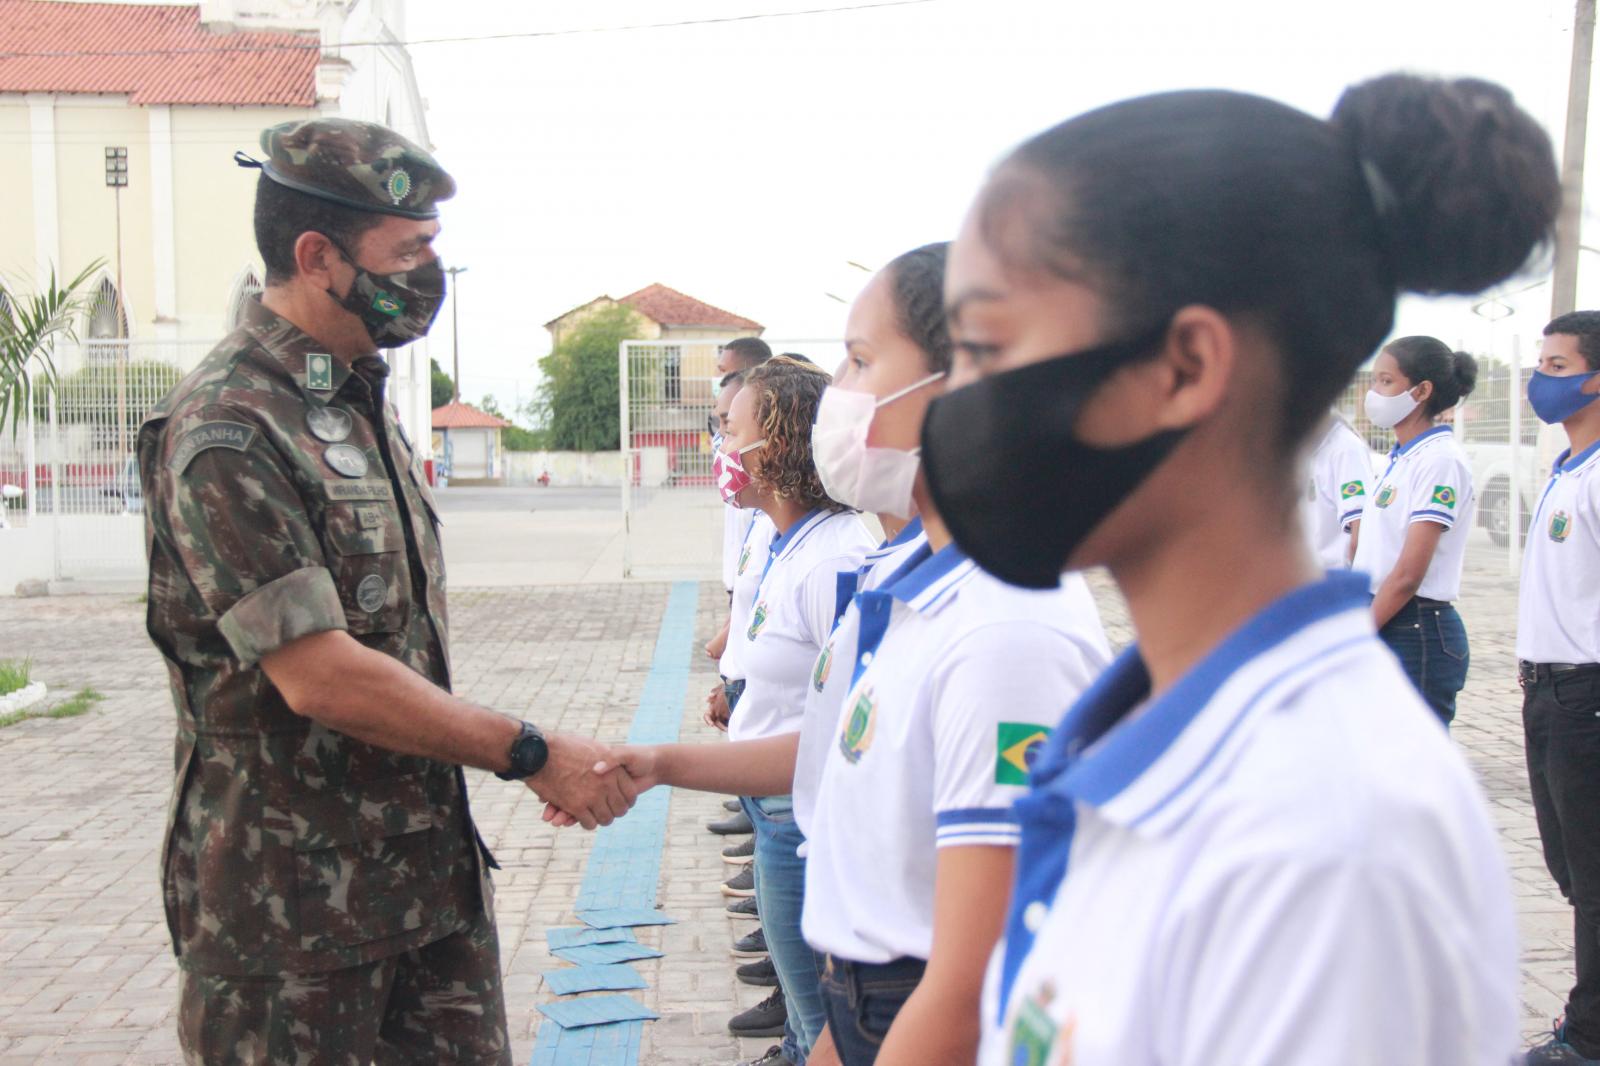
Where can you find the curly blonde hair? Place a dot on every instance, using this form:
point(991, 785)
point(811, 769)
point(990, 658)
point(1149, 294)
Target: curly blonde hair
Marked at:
point(787, 394)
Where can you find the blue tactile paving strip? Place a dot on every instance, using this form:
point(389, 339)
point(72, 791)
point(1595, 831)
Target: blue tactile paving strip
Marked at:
point(624, 917)
point(624, 867)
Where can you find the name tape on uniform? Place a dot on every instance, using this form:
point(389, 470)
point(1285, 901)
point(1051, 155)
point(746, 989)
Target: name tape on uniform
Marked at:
point(365, 489)
point(235, 435)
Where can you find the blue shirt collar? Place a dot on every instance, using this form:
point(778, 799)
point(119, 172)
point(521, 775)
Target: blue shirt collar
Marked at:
point(1131, 771)
point(1416, 442)
point(930, 578)
point(1566, 462)
point(794, 533)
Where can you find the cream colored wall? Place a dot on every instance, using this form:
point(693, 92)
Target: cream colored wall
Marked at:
point(213, 198)
point(87, 209)
point(16, 178)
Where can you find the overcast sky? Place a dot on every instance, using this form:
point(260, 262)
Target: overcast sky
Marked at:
point(746, 163)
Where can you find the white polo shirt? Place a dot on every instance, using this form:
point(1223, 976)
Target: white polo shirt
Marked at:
point(791, 613)
point(748, 556)
point(1237, 873)
point(1427, 480)
point(957, 680)
point(1558, 620)
point(735, 527)
point(1340, 470)
point(825, 693)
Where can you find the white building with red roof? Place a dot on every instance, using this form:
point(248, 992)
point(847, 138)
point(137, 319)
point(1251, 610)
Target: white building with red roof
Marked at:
point(467, 444)
point(664, 314)
point(172, 90)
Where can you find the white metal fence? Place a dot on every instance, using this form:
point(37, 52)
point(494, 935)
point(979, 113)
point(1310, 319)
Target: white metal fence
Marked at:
point(672, 515)
point(73, 455)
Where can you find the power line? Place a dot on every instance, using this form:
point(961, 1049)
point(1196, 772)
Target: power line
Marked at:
point(309, 44)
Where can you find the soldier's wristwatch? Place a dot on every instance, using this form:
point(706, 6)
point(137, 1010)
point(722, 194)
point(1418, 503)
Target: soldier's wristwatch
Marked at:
point(528, 754)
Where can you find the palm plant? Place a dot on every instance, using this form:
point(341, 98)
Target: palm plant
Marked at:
point(30, 325)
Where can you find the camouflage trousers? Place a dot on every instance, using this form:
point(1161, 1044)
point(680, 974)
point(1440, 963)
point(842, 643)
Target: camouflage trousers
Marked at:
point(441, 1003)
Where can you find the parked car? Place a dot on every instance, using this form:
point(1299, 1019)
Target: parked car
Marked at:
point(8, 493)
point(1494, 479)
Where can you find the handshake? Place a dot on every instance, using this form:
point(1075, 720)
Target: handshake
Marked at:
point(587, 783)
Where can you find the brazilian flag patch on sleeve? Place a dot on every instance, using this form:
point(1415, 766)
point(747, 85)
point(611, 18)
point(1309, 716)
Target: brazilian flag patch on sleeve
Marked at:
point(1445, 496)
point(1351, 489)
point(1017, 746)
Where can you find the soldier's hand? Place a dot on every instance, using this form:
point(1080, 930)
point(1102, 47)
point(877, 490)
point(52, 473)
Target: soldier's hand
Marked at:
point(568, 782)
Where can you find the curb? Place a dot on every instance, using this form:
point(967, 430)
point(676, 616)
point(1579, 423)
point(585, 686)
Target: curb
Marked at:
point(23, 698)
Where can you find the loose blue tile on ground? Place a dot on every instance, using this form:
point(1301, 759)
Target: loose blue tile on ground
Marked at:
point(624, 868)
point(588, 1011)
point(616, 1044)
point(575, 937)
point(595, 954)
point(611, 978)
point(623, 917)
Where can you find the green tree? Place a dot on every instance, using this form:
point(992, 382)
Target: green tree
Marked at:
point(578, 397)
point(443, 388)
point(514, 437)
point(29, 326)
point(88, 395)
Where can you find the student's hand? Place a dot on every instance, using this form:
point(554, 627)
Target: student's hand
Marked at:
point(641, 763)
point(570, 784)
point(717, 713)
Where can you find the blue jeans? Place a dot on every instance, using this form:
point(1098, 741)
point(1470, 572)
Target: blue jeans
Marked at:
point(1431, 644)
point(780, 897)
point(862, 1001)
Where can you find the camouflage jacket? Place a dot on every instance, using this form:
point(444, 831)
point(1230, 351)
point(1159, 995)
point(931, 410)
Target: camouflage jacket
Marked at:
point(282, 500)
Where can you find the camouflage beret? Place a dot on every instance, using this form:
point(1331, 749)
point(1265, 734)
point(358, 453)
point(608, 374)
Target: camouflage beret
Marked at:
point(360, 165)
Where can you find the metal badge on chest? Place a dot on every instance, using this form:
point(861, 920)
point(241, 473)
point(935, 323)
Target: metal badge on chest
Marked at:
point(329, 424)
point(346, 459)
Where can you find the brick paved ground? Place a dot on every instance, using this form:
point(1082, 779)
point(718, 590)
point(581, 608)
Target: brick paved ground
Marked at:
point(85, 973)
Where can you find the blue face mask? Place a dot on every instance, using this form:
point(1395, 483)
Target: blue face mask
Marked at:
point(1556, 399)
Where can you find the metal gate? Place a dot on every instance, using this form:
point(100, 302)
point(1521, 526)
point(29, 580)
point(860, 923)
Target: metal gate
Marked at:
point(74, 456)
point(672, 515)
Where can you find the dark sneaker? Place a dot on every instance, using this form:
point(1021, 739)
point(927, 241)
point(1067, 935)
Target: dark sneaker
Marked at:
point(760, 973)
point(773, 1057)
point(731, 806)
point(733, 825)
point(751, 946)
point(740, 884)
point(741, 854)
point(745, 908)
point(764, 1019)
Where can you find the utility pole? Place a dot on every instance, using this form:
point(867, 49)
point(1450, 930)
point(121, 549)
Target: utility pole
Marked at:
point(117, 180)
point(455, 326)
point(1564, 286)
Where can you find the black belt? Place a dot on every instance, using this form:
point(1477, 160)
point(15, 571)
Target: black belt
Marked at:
point(1423, 601)
point(1527, 671)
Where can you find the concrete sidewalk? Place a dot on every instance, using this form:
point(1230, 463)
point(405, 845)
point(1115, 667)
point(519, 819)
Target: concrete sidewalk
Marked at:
point(86, 975)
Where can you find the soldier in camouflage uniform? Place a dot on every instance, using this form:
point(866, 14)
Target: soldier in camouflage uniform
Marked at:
point(327, 895)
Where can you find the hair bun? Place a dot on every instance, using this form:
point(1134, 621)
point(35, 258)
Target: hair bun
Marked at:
point(1465, 368)
point(1464, 180)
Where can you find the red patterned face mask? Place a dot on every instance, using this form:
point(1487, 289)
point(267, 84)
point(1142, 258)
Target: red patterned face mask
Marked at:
point(730, 473)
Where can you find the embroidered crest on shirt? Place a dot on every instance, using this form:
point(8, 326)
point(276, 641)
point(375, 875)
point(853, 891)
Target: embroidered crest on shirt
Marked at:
point(1017, 744)
point(1385, 496)
point(1035, 1034)
point(1560, 526)
point(859, 728)
point(1351, 489)
point(1445, 496)
point(744, 560)
point(824, 667)
point(758, 620)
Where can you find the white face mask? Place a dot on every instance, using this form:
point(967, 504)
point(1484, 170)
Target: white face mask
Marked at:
point(878, 480)
point(1386, 412)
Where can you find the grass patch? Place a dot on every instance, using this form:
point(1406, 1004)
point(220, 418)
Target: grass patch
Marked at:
point(13, 675)
point(78, 703)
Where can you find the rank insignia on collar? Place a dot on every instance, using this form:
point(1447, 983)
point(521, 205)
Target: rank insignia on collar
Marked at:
point(319, 372)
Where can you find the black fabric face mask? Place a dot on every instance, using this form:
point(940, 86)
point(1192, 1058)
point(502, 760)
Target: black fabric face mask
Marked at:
point(1017, 490)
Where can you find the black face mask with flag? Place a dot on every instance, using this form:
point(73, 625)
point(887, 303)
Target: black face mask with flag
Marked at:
point(1013, 484)
point(396, 309)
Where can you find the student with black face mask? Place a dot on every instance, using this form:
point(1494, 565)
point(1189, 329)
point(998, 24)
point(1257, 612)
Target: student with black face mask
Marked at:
point(1249, 843)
